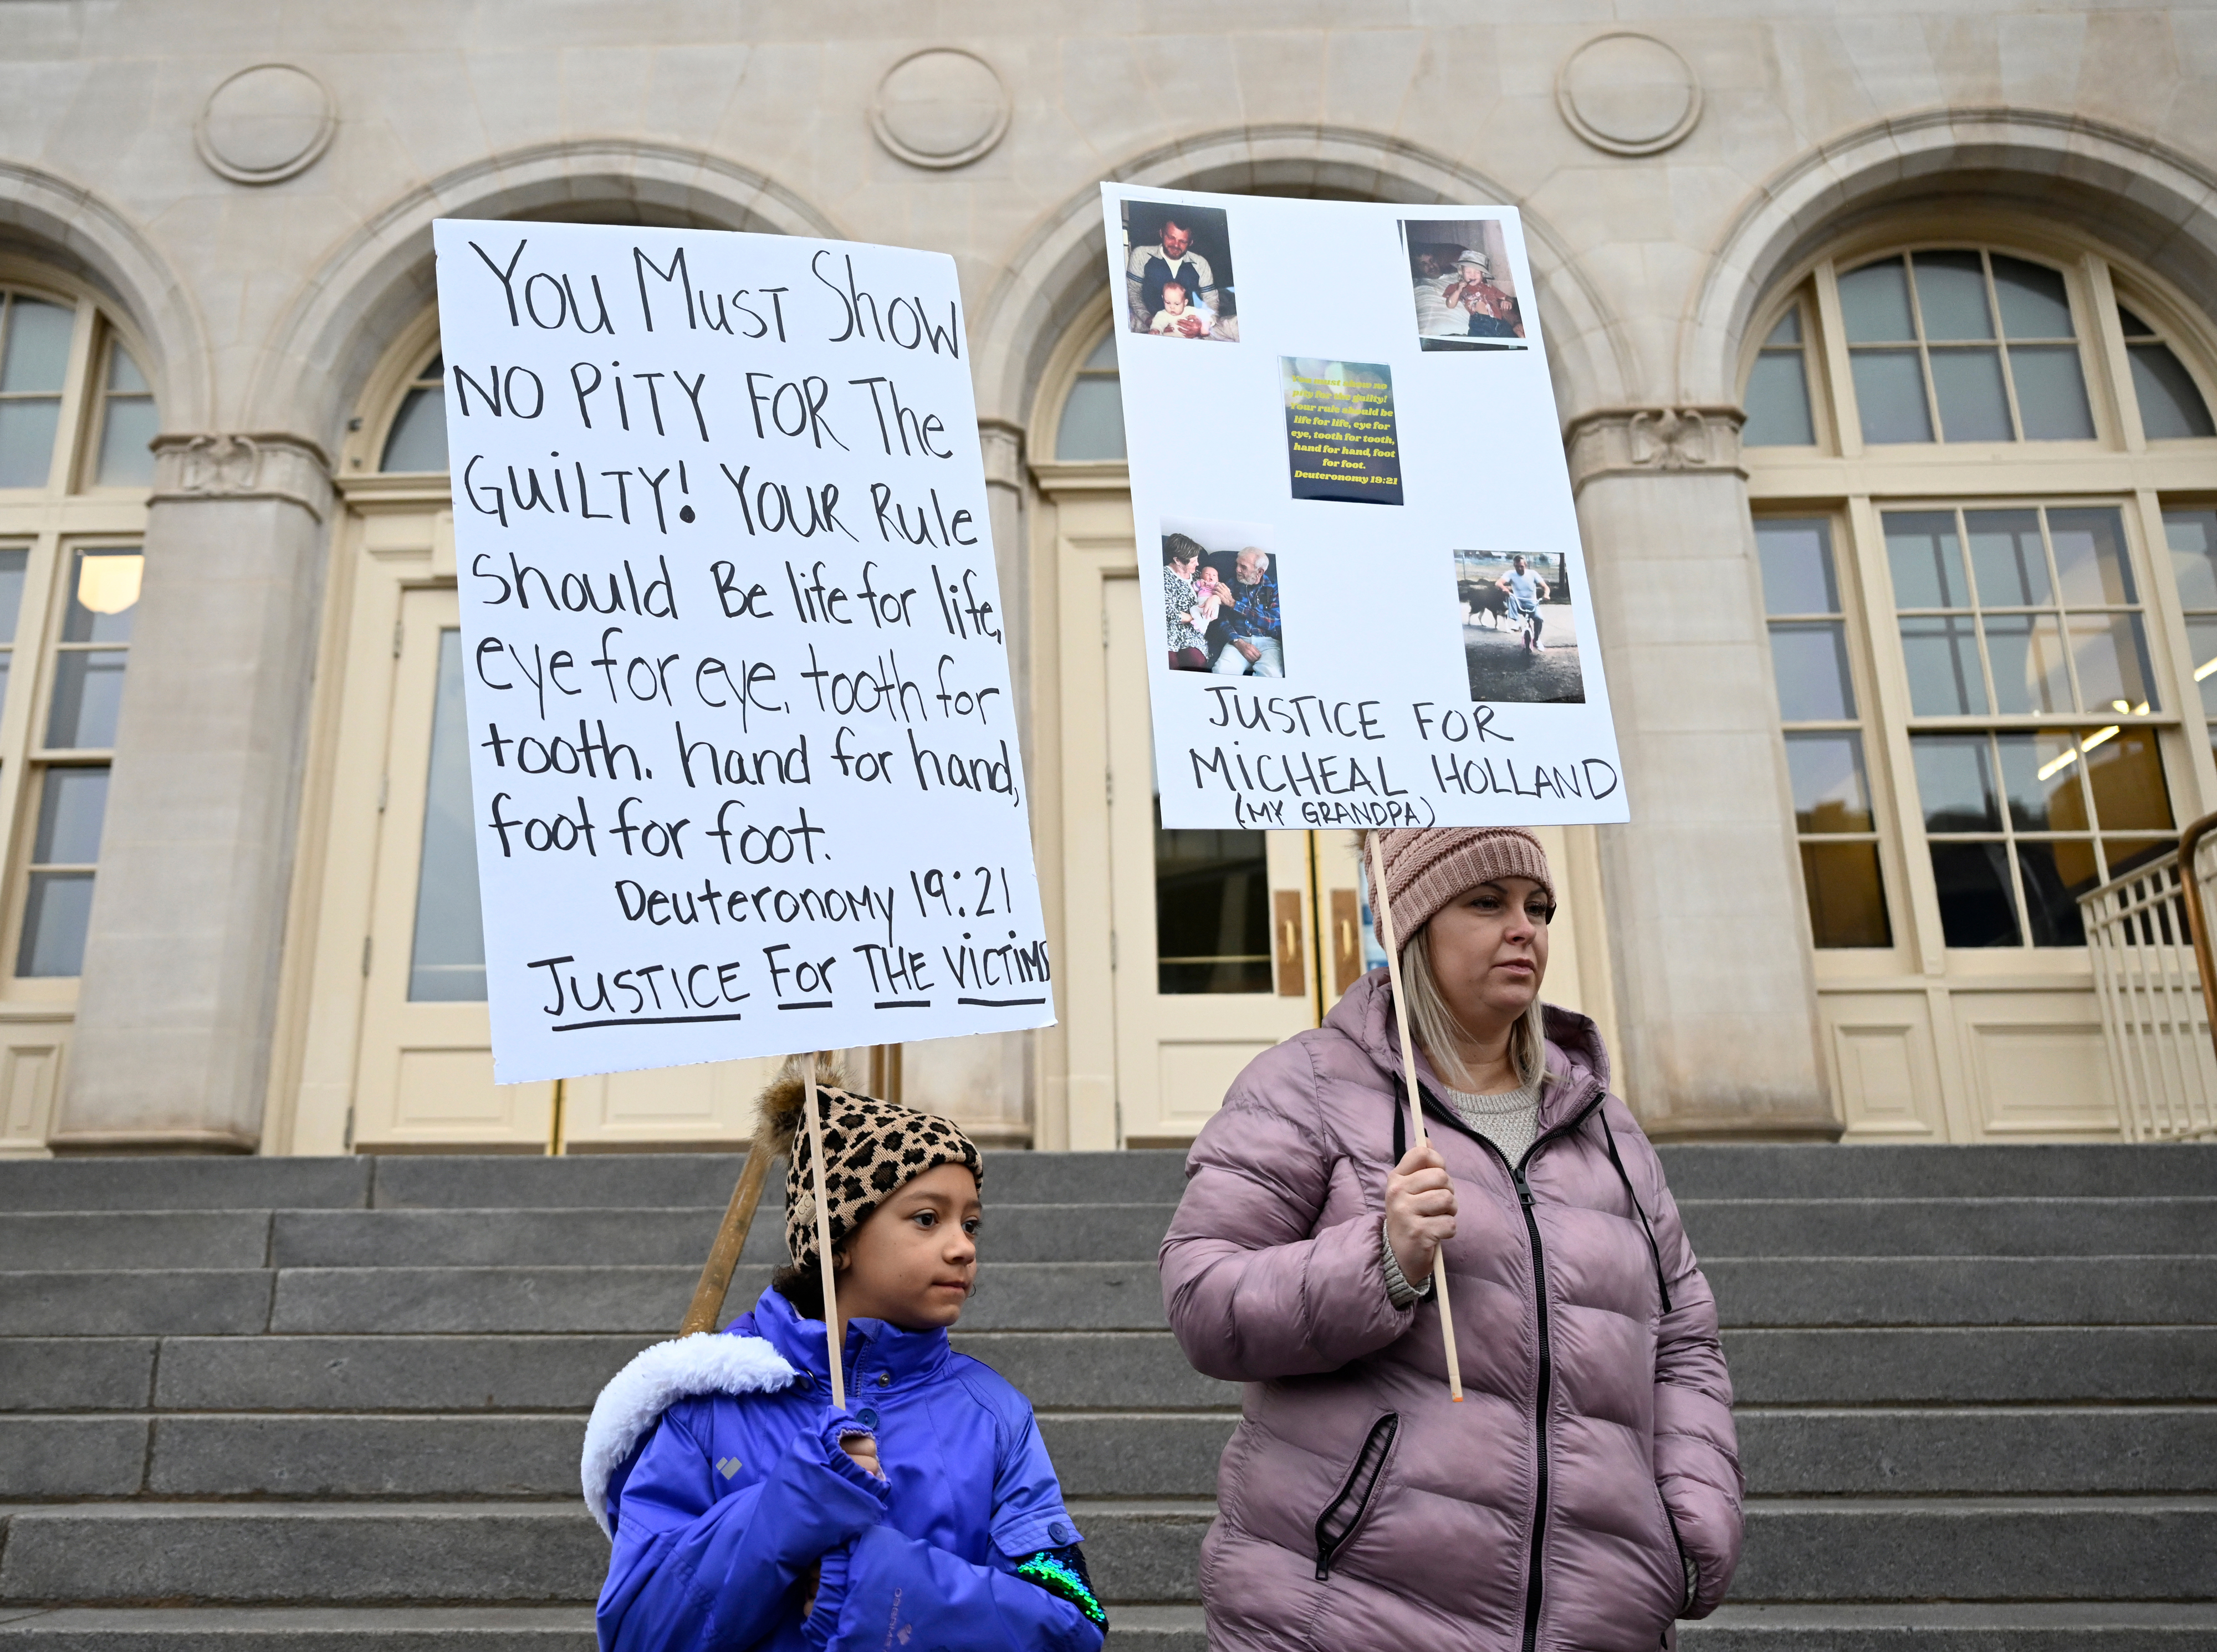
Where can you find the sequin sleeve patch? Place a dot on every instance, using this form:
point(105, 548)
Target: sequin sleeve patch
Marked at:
point(1062, 1571)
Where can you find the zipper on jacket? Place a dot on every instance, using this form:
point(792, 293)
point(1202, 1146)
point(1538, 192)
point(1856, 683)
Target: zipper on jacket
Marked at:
point(1540, 1406)
point(1344, 1512)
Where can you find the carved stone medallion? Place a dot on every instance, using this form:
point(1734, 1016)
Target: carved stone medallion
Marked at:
point(1628, 94)
point(941, 108)
point(266, 124)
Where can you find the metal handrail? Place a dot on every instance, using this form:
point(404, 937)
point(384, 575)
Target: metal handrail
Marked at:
point(2197, 919)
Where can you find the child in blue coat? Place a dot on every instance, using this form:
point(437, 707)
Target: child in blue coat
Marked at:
point(745, 1512)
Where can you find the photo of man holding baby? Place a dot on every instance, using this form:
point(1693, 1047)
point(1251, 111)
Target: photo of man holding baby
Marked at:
point(1465, 295)
point(1177, 271)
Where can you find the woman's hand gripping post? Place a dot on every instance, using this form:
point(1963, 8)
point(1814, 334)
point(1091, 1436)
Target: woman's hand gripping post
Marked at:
point(1420, 1211)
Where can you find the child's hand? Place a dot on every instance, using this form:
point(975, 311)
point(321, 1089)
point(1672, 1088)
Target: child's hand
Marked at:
point(863, 1448)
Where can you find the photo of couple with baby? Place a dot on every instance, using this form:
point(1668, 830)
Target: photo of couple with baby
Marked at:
point(1221, 609)
point(1465, 295)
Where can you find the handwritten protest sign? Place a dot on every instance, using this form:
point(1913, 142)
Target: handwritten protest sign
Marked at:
point(1346, 458)
point(745, 768)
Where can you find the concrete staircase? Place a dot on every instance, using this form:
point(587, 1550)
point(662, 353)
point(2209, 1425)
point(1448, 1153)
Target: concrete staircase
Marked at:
point(255, 1404)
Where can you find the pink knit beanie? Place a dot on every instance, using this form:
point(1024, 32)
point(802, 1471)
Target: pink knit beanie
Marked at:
point(1425, 870)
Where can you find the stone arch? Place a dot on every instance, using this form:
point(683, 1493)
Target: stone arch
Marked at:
point(71, 228)
point(2123, 188)
point(1058, 270)
point(357, 303)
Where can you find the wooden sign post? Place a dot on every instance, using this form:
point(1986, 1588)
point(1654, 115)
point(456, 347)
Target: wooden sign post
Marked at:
point(1384, 908)
point(832, 1337)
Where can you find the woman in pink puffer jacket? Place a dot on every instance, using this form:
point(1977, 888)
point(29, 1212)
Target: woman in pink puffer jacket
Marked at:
point(1587, 1492)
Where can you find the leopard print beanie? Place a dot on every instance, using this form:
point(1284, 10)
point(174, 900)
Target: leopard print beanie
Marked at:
point(872, 1148)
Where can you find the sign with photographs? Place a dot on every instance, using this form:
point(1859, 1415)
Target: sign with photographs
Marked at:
point(1344, 447)
point(745, 769)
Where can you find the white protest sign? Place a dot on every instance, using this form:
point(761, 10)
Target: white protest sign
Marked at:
point(744, 762)
point(1347, 463)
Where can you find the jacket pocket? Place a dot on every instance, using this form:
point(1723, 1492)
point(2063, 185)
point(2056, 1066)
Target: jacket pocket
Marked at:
point(1689, 1578)
point(1344, 1512)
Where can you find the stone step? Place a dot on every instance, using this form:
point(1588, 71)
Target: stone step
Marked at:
point(1948, 1227)
point(661, 1238)
point(1141, 1551)
point(1087, 1370)
point(1011, 1296)
point(77, 1240)
point(2081, 1549)
point(1964, 1291)
point(2121, 1626)
point(186, 1184)
point(298, 1629)
point(173, 1302)
point(1988, 1451)
point(1980, 1365)
point(2113, 1626)
point(1816, 1170)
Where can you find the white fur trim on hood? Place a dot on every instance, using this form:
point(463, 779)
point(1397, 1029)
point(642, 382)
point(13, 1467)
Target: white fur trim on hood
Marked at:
point(707, 1362)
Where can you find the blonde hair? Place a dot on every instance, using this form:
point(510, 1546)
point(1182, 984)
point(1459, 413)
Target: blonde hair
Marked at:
point(1437, 1030)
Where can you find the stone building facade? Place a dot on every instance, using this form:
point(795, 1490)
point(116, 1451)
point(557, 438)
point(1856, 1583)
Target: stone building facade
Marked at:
point(1884, 349)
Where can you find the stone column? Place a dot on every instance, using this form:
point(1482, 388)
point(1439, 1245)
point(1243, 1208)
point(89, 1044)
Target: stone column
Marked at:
point(174, 1014)
point(1709, 937)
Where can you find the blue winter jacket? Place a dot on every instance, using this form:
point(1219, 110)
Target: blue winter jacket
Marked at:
point(717, 1460)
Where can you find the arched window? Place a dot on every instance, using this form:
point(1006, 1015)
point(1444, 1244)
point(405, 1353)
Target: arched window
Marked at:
point(416, 440)
point(1091, 425)
point(1980, 474)
point(76, 415)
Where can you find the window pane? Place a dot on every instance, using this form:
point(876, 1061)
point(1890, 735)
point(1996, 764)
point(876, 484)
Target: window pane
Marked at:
point(2051, 392)
point(12, 564)
point(1827, 772)
point(1103, 359)
point(2201, 640)
point(1788, 330)
point(2172, 407)
point(418, 441)
point(1973, 406)
point(448, 963)
point(2111, 656)
point(1811, 664)
point(56, 906)
point(1890, 396)
point(1777, 403)
point(2132, 326)
point(1951, 291)
point(1942, 657)
point(72, 805)
point(2192, 536)
point(1874, 304)
point(1092, 422)
point(1212, 912)
point(2033, 302)
point(1797, 567)
point(123, 375)
point(2039, 777)
point(27, 442)
point(1976, 906)
point(2125, 854)
point(1847, 898)
point(126, 429)
point(1925, 560)
point(1956, 783)
point(2055, 875)
point(88, 697)
point(2026, 652)
point(2090, 559)
point(104, 596)
point(37, 356)
point(2126, 774)
point(2007, 558)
